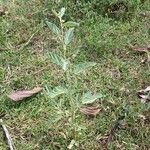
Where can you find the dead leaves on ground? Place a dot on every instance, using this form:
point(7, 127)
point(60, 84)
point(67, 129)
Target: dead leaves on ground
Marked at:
point(144, 95)
point(142, 49)
point(91, 111)
point(21, 95)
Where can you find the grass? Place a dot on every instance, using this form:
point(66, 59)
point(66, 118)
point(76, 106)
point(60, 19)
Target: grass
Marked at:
point(25, 41)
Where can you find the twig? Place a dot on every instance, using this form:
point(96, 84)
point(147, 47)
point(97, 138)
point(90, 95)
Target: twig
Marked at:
point(7, 134)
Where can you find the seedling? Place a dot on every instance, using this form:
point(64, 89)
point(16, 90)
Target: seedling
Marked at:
point(67, 92)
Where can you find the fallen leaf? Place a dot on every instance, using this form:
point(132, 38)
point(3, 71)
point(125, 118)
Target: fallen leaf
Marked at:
point(141, 49)
point(20, 95)
point(143, 98)
point(144, 95)
point(90, 111)
point(145, 90)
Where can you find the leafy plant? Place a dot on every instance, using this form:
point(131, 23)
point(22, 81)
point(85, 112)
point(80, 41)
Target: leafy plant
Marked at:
point(88, 98)
point(81, 67)
point(58, 60)
point(65, 35)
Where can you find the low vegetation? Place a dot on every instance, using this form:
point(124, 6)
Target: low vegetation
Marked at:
point(84, 55)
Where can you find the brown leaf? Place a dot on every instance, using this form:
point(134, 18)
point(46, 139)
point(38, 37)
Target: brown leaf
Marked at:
point(142, 49)
point(144, 95)
point(90, 111)
point(145, 90)
point(20, 95)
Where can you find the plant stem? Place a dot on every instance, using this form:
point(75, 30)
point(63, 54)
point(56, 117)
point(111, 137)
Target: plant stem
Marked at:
point(62, 38)
point(67, 72)
point(68, 75)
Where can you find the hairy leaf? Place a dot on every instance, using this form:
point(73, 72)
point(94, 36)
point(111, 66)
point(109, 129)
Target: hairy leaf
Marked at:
point(71, 24)
point(89, 98)
point(56, 91)
point(69, 36)
point(58, 60)
point(81, 67)
point(62, 12)
point(53, 27)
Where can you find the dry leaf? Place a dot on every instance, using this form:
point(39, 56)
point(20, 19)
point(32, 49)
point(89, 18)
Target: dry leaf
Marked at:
point(20, 95)
point(144, 95)
point(145, 90)
point(90, 111)
point(141, 49)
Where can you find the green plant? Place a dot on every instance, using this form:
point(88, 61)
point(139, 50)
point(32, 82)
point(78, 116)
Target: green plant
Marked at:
point(68, 92)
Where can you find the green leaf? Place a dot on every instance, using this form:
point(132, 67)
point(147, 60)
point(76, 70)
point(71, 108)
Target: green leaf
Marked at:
point(71, 24)
point(56, 91)
point(88, 98)
point(53, 27)
point(62, 12)
point(69, 36)
point(66, 64)
point(81, 67)
point(58, 60)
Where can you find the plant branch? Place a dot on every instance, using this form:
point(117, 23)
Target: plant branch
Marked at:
point(62, 38)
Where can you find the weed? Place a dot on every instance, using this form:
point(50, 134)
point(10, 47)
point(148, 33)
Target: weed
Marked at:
point(65, 35)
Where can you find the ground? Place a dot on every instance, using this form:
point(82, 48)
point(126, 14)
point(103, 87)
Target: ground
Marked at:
point(105, 36)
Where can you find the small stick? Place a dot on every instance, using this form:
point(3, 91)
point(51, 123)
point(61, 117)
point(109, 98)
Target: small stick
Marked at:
point(7, 134)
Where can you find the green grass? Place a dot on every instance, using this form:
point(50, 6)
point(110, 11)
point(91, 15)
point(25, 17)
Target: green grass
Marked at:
point(25, 41)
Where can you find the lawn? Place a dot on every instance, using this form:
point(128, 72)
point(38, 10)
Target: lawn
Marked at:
point(107, 33)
